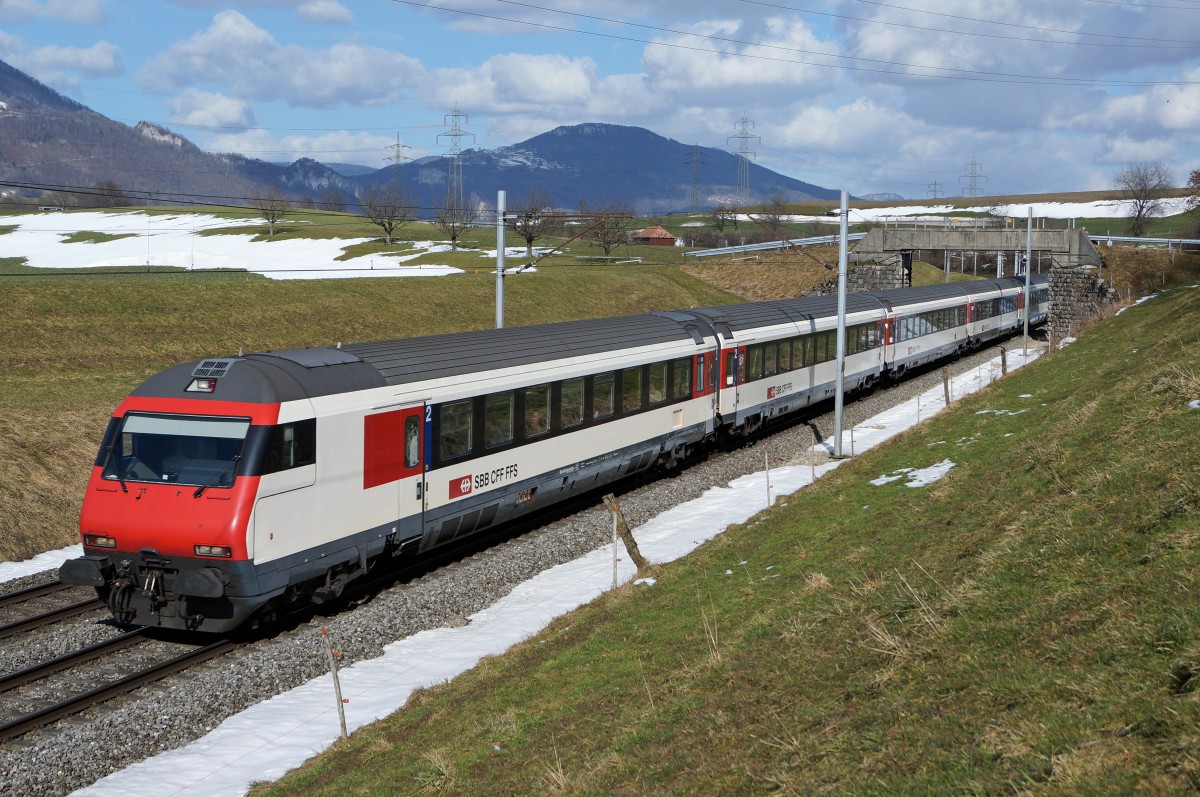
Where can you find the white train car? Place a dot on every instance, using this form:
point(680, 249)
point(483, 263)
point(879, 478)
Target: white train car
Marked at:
point(228, 485)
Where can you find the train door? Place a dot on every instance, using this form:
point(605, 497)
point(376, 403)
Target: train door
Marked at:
point(733, 369)
point(393, 456)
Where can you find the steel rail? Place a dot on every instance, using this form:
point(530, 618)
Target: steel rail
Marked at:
point(74, 705)
point(36, 591)
point(66, 661)
point(46, 618)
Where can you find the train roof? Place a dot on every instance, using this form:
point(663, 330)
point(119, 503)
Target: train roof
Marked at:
point(293, 374)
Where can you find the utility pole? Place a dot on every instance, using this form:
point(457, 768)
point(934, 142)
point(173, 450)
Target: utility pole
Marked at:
point(935, 190)
point(695, 161)
point(744, 153)
point(972, 178)
point(454, 185)
point(840, 363)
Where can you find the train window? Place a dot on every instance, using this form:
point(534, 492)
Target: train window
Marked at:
point(572, 403)
point(603, 397)
point(537, 410)
point(292, 445)
point(798, 360)
point(658, 383)
point(497, 420)
point(631, 389)
point(730, 368)
point(756, 363)
point(455, 430)
point(785, 356)
point(412, 441)
point(681, 377)
point(770, 359)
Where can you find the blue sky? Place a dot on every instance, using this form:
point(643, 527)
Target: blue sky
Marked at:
point(868, 95)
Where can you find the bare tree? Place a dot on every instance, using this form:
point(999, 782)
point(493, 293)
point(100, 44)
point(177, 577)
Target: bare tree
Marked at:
point(454, 218)
point(332, 199)
point(772, 216)
point(528, 218)
point(107, 194)
point(273, 204)
point(387, 208)
point(609, 226)
point(722, 215)
point(1148, 184)
point(1193, 190)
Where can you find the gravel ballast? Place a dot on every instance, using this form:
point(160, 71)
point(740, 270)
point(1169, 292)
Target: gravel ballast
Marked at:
point(77, 752)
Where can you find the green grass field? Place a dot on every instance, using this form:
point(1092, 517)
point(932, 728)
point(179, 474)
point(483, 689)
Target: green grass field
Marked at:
point(1024, 626)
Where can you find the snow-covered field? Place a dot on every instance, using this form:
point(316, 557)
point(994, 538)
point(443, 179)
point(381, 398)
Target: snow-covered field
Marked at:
point(175, 240)
point(1106, 209)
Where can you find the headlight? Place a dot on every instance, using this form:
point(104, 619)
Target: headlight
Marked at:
point(223, 551)
point(99, 541)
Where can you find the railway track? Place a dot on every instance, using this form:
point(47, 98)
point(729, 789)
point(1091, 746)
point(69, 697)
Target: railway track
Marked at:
point(79, 700)
point(53, 615)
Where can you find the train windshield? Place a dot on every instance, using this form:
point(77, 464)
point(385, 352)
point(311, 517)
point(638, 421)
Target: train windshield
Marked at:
point(185, 449)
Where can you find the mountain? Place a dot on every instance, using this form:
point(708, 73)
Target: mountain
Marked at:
point(600, 164)
point(51, 143)
point(49, 140)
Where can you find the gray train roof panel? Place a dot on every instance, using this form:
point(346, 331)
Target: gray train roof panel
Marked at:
point(434, 356)
point(294, 374)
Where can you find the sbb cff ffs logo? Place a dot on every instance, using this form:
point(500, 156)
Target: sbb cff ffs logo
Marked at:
point(461, 487)
point(467, 484)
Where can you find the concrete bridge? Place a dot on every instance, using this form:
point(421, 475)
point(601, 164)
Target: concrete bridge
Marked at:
point(1067, 248)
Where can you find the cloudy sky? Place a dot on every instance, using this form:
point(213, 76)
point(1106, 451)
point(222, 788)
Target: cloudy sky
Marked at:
point(903, 96)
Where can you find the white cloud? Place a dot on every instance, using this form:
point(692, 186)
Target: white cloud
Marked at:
point(206, 109)
point(324, 11)
point(508, 83)
point(340, 146)
point(81, 12)
point(249, 63)
point(101, 59)
point(52, 64)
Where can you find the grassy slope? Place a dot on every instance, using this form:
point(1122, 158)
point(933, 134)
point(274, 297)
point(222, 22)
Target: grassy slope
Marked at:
point(1025, 625)
point(74, 346)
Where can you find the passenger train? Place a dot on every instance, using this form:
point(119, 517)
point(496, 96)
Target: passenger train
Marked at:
point(240, 485)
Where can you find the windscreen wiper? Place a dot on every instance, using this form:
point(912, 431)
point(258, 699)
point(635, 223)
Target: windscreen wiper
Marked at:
point(200, 490)
point(112, 447)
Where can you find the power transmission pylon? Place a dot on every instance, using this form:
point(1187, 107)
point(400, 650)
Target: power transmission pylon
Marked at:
point(695, 160)
point(935, 189)
point(744, 154)
point(456, 133)
point(972, 178)
point(398, 158)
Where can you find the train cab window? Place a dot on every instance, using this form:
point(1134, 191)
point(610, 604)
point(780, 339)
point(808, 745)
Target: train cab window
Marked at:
point(497, 420)
point(571, 413)
point(603, 395)
point(631, 389)
point(454, 436)
point(658, 383)
point(412, 441)
point(681, 377)
point(292, 445)
point(537, 410)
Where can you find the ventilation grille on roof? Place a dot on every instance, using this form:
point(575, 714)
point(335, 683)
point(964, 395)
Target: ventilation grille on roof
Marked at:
point(212, 369)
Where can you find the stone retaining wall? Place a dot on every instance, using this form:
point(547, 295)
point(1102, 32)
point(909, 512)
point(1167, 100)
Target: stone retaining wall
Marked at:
point(1076, 297)
point(868, 277)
